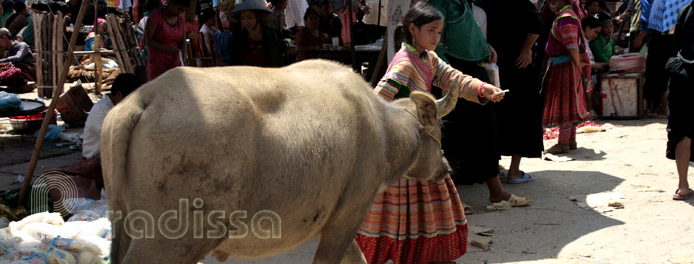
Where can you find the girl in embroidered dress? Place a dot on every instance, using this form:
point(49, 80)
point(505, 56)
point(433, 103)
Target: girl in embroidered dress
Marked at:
point(568, 68)
point(417, 221)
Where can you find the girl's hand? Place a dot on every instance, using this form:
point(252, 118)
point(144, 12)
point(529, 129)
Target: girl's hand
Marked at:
point(488, 90)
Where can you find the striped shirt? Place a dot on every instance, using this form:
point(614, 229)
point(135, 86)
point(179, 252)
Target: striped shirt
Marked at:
point(410, 71)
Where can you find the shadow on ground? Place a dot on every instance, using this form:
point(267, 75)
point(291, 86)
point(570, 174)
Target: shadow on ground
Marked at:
point(550, 223)
point(585, 154)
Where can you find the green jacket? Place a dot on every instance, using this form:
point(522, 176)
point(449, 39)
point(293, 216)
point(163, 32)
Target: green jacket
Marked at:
point(602, 49)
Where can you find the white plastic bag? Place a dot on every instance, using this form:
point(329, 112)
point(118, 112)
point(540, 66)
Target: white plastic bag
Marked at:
point(630, 62)
point(493, 72)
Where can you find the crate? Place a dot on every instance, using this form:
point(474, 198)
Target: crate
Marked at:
point(622, 96)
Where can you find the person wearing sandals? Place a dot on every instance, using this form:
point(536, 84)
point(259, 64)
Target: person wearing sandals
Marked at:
point(415, 221)
point(464, 47)
point(519, 115)
point(680, 98)
point(568, 66)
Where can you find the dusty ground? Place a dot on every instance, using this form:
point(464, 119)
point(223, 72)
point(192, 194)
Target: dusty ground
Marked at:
point(626, 161)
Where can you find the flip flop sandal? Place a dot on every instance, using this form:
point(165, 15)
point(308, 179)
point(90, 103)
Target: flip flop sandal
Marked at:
point(558, 149)
point(467, 208)
point(514, 201)
point(526, 178)
point(678, 197)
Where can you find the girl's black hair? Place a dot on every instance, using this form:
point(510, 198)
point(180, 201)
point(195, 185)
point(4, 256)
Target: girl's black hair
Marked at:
point(420, 14)
point(604, 18)
point(205, 15)
point(310, 11)
point(185, 3)
point(591, 22)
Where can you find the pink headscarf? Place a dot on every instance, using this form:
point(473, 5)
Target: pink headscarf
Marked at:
point(98, 21)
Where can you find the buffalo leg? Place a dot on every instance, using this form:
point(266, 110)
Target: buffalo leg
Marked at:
point(337, 245)
point(353, 254)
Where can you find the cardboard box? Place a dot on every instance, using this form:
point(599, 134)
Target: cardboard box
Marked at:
point(74, 106)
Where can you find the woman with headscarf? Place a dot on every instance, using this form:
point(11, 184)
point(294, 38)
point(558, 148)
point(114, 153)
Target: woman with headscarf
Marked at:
point(99, 29)
point(254, 43)
point(165, 38)
point(568, 66)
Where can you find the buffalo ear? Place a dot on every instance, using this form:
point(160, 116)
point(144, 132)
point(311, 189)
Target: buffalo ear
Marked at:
point(426, 109)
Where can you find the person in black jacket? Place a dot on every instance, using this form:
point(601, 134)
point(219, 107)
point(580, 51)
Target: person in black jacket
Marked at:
point(680, 98)
point(254, 43)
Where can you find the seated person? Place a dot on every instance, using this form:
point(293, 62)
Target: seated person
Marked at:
point(6, 10)
point(277, 7)
point(86, 172)
point(100, 29)
point(27, 33)
point(255, 44)
point(123, 85)
point(19, 54)
point(18, 20)
point(603, 47)
point(309, 39)
point(208, 20)
point(329, 22)
point(591, 30)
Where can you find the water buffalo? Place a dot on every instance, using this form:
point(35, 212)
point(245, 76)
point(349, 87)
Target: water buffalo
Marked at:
point(250, 162)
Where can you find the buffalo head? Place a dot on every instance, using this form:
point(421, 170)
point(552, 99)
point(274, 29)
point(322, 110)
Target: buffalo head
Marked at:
point(430, 163)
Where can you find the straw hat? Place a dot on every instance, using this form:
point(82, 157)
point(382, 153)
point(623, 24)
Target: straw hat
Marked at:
point(266, 15)
point(251, 5)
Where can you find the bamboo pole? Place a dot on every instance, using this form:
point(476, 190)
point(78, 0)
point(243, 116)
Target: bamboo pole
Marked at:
point(61, 42)
point(123, 47)
point(44, 72)
point(54, 48)
point(355, 67)
point(97, 65)
point(111, 31)
point(39, 52)
point(381, 57)
point(97, 46)
point(44, 126)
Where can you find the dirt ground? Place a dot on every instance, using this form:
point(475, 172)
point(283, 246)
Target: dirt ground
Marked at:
point(624, 166)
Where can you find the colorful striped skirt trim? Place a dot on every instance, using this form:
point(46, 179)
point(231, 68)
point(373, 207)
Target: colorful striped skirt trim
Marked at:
point(414, 222)
point(565, 102)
